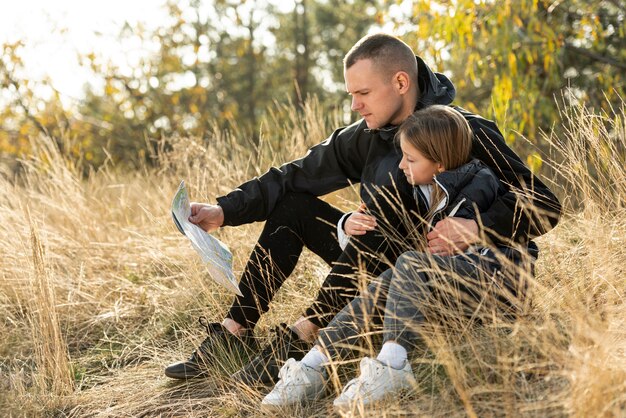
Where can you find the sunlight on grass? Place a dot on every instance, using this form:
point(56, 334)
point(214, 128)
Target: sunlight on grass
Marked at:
point(99, 291)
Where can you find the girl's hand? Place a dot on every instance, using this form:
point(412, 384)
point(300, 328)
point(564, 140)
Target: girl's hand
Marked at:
point(359, 223)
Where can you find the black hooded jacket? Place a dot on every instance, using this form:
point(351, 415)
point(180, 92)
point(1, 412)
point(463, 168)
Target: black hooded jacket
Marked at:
point(356, 154)
point(467, 189)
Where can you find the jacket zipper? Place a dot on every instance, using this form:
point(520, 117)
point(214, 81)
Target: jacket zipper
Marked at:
point(446, 200)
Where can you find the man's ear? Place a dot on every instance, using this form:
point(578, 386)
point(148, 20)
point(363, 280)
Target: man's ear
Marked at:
point(401, 81)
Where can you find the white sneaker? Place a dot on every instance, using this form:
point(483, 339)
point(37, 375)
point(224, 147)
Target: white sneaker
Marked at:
point(375, 382)
point(298, 383)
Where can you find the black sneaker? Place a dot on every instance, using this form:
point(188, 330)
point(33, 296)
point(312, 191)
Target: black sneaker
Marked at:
point(264, 368)
point(216, 347)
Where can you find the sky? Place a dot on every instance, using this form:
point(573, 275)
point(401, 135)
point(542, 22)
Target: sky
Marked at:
point(55, 31)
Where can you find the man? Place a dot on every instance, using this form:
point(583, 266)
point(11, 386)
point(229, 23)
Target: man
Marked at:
point(387, 83)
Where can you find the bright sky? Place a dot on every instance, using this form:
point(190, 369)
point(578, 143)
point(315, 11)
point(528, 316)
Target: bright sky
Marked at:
point(56, 30)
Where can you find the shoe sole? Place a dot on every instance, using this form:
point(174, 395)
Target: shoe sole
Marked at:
point(185, 376)
point(268, 407)
point(361, 403)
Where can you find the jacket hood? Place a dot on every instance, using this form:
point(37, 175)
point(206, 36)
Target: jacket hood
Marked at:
point(460, 176)
point(453, 181)
point(435, 88)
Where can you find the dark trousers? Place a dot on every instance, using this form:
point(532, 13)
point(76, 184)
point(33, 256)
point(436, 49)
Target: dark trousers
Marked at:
point(302, 220)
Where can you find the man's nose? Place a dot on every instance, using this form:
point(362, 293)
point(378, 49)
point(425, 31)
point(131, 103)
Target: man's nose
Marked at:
point(356, 104)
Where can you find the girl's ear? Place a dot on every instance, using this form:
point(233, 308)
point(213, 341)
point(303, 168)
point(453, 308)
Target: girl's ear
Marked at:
point(440, 168)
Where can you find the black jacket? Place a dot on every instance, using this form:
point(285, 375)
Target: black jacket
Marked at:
point(468, 190)
point(356, 154)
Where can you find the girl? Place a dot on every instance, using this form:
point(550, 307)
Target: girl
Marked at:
point(436, 143)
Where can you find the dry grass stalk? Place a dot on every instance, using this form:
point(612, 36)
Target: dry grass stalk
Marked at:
point(127, 290)
point(53, 375)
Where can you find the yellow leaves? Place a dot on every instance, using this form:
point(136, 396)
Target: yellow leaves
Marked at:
point(24, 129)
point(501, 94)
point(512, 64)
point(547, 62)
point(379, 18)
point(421, 6)
point(534, 162)
point(470, 67)
point(423, 29)
point(110, 90)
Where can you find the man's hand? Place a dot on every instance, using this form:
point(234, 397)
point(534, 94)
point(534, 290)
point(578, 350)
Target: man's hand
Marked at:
point(452, 235)
point(207, 217)
point(359, 223)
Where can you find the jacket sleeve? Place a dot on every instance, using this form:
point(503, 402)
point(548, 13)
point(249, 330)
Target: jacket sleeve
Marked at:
point(479, 195)
point(528, 208)
point(328, 166)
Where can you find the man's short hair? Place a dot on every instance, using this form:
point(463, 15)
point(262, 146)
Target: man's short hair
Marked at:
point(388, 54)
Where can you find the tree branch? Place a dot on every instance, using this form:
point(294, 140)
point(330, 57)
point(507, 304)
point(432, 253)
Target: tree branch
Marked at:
point(18, 99)
point(619, 5)
point(599, 57)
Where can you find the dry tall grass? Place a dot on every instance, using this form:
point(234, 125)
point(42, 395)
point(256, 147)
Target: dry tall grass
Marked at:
point(99, 291)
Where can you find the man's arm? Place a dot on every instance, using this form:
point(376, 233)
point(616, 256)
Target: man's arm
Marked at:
point(328, 166)
point(456, 233)
point(207, 217)
point(528, 208)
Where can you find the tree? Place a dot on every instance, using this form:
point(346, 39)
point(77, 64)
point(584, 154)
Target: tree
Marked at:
point(213, 65)
point(510, 59)
point(25, 115)
point(315, 36)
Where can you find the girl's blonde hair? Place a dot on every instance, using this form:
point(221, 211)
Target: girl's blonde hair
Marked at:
point(440, 134)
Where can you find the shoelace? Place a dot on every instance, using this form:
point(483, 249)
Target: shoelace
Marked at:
point(368, 368)
point(292, 371)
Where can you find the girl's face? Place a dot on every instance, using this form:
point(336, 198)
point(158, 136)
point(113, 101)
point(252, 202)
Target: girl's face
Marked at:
point(417, 168)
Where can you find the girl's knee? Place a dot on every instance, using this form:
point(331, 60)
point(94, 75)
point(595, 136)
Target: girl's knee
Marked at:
point(412, 262)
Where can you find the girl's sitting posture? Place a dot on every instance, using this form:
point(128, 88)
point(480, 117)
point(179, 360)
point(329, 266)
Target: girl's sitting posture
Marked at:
point(435, 143)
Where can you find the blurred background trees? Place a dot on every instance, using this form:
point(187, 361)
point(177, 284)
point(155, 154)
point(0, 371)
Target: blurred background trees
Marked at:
point(227, 63)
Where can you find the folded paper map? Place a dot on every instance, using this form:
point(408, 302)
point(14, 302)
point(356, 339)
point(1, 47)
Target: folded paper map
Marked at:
point(216, 255)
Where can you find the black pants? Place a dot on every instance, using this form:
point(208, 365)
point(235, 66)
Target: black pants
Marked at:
point(301, 220)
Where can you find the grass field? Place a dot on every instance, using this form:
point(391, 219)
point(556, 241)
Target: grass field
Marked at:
point(99, 291)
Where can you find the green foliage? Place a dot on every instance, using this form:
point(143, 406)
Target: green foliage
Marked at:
point(510, 59)
point(212, 66)
point(216, 65)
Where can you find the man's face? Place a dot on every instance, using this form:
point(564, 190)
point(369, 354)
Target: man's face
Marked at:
point(374, 96)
